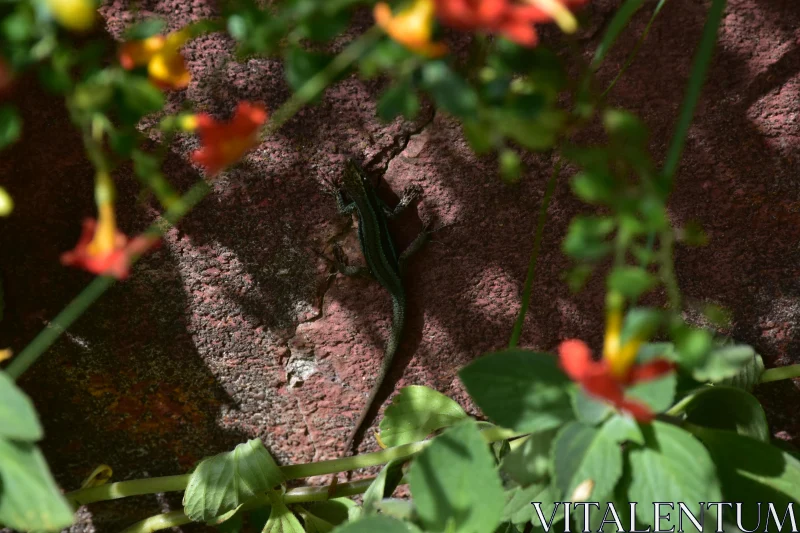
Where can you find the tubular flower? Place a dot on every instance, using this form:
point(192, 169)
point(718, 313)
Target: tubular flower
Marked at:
point(225, 143)
point(102, 248)
point(412, 27)
point(513, 19)
point(165, 64)
point(608, 378)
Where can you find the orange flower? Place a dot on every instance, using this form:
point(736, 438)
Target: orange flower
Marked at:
point(165, 64)
point(412, 27)
point(225, 143)
point(608, 378)
point(102, 248)
point(515, 20)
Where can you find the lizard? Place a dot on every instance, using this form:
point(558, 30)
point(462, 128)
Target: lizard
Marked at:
point(382, 262)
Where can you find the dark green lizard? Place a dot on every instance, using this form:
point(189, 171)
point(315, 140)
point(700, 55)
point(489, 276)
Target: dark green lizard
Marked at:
point(382, 259)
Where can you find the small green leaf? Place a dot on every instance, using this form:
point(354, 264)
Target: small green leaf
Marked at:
point(623, 429)
point(29, 497)
point(18, 419)
point(588, 409)
point(281, 519)
point(586, 238)
point(672, 467)
point(658, 394)
point(301, 65)
point(731, 409)
point(331, 511)
point(593, 187)
point(450, 91)
point(723, 363)
point(519, 389)
point(384, 485)
point(223, 482)
point(454, 481)
point(752, 471)
point(144, 29)
point(140, 97)
point(375, 524)
point(479, 135)
point(510, 166)
point(582, 453)
point(398, 100)
point(10, 125)
point(528, 462)
point(749, 376)
point(519, 508)
point(631, 281)
point(417, 412)
point(624, 127)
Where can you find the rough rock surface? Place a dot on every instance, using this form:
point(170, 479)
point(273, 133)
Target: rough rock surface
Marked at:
point(232, 329)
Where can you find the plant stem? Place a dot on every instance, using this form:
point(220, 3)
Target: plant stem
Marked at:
point(527, 288)
point(667, 267)
point(696, 79)
point(782, 372)
point(310, 90)
point(138, 487)
point(293, 496)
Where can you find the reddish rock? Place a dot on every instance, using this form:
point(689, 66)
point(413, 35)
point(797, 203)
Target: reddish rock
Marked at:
point(224, 333)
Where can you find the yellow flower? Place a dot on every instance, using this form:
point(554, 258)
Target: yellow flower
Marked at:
point(411, 27)
point(620, 358)
point(76, 15)
point(559, 12)
point(163, 58)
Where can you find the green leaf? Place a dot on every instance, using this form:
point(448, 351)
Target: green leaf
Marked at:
point(139, 97)
point(281, 519)
point(519, 508)
point(29, 497)
point(375, 523)
point(519, 389)
point(334, 511)
point(594, 187)
point(18, 419)
point(454, 482)
point(631, 281)
point(301, 65)
point(586, 238)
point(10, 125)
point(588, 409)
point(723, 363)
point(232, 525)
point(731, 409)
point(749, 376)
point(582, 453)
point(751, 470)
point(625, 127)
point(510, 166)
point(479, 135)
point(672, 467)
point(623, 429)
point(658, 394)
point(145, 28)
point(528, 462)
point(621, 18)
point(450, 91)
point(399, 99)
point(417, 412)
point(223, 482)
point(384, 485)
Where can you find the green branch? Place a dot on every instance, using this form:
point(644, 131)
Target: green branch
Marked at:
point(139, 487)
point(783, 372)
point(527, 289)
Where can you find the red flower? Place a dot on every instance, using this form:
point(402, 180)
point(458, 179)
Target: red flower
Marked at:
point(515, 20)
point(108, 261)
point(598, 379)
point(225, 143)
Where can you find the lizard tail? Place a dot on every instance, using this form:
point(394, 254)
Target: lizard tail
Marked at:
point(398, 323)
